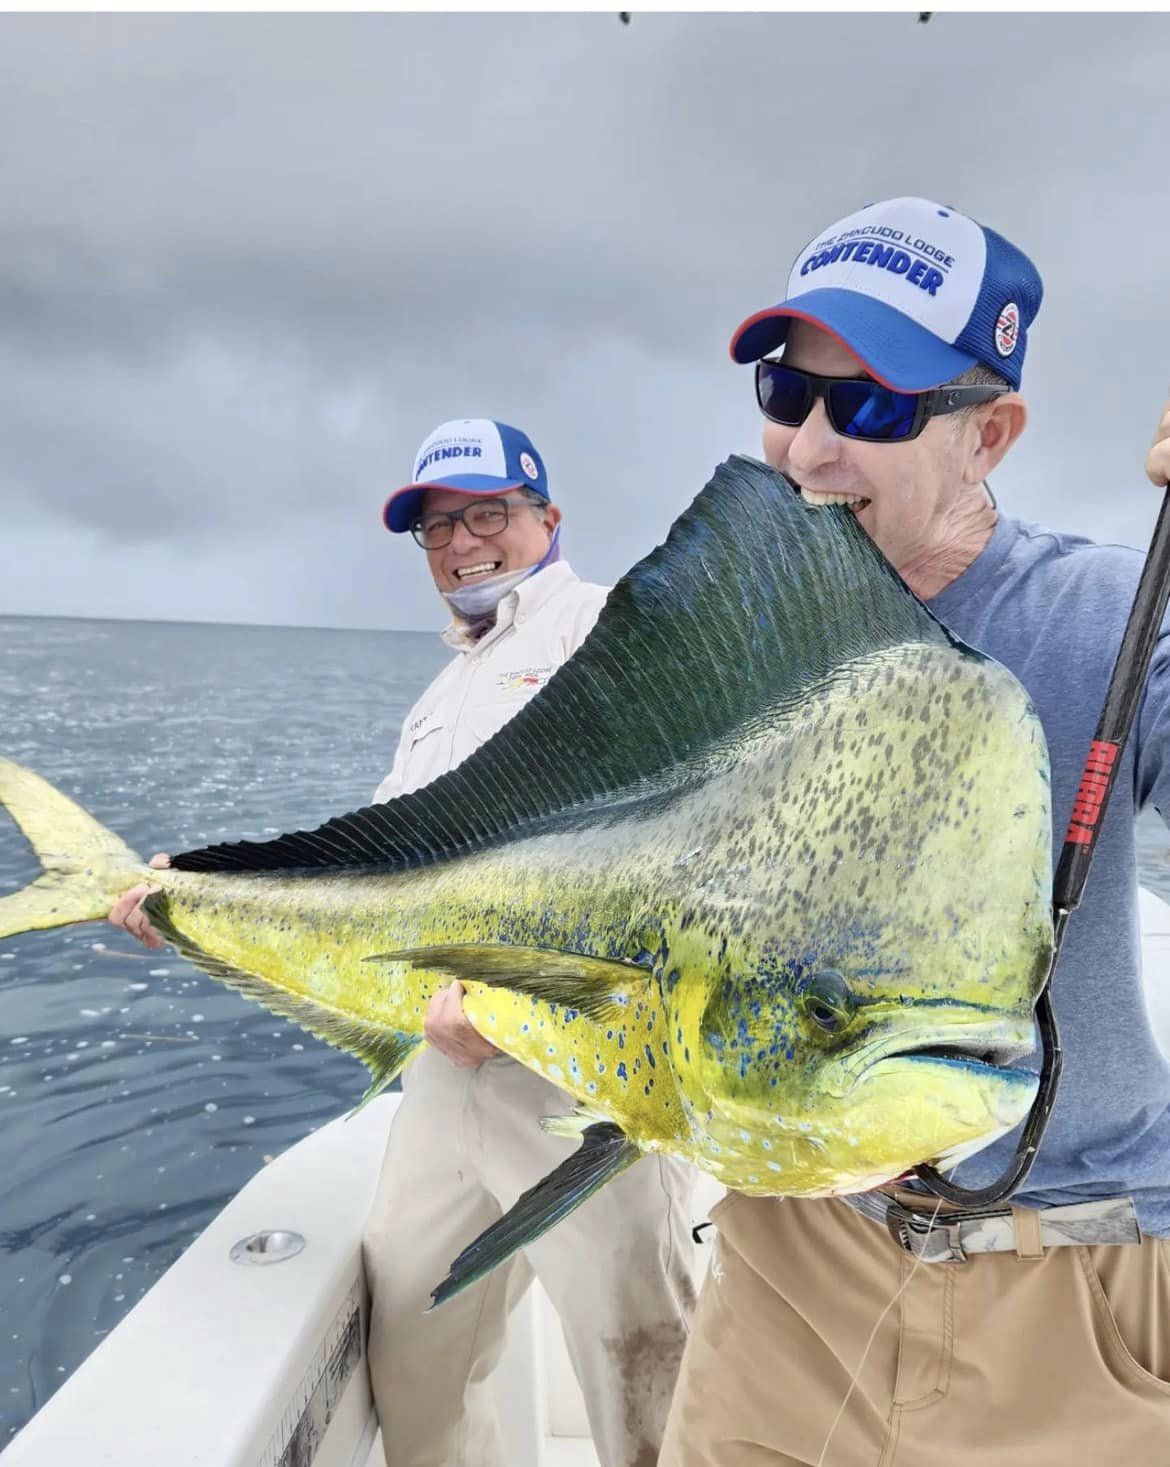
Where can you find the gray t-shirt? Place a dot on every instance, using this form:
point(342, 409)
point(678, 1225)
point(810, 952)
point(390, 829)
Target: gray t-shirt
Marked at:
point(1052, 608)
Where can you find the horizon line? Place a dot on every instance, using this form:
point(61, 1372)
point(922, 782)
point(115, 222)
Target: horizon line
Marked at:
point(177, 621)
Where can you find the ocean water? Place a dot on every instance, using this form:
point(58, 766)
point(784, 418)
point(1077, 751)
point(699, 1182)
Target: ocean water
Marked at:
point(137, 1095)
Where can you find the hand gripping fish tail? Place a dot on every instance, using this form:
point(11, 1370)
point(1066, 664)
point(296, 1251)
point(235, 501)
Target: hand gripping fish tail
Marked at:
point(85, 865)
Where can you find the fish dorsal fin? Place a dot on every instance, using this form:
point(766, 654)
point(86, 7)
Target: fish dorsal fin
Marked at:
point(754, 598)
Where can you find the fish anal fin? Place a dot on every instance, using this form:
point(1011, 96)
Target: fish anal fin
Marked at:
point(386, 1056)
point(605, 1151)
point(600, 988)
point(384, 1051)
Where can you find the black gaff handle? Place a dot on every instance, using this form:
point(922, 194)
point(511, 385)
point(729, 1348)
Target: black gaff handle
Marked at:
point(1097, 778)
point(1121, 704)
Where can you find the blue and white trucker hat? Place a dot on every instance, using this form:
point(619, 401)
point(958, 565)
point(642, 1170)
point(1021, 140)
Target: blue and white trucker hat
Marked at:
point(475, 456)
point(915, 289)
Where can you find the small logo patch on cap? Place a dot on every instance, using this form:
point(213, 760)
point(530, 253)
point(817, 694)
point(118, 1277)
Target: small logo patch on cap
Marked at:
point(1007, 329)
point(528, 464)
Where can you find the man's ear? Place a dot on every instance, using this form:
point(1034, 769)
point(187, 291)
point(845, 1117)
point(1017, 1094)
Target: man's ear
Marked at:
point(994, 429)
point(551, 518)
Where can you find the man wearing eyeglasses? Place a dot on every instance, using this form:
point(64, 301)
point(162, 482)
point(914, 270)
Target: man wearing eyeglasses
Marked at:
point(835, 1331)
point(466, 1140)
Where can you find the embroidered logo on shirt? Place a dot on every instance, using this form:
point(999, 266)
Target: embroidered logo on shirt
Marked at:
point(522, 679)
point(424, 724)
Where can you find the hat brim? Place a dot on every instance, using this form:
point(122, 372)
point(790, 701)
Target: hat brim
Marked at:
point(405, 504)
point(896, 351)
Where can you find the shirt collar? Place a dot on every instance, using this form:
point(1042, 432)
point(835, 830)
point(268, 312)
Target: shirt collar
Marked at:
point(531, 594)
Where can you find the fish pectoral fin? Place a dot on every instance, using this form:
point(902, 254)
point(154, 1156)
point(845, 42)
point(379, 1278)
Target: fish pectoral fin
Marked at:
point(574, 1125)
point(605, 1151)
point(600, 988)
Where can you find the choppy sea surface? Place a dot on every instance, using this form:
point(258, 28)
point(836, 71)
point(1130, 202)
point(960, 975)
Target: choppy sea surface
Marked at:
point(137, 1095)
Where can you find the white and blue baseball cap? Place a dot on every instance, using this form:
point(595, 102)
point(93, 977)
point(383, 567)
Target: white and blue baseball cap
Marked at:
point(915, 289)
point(475, 456)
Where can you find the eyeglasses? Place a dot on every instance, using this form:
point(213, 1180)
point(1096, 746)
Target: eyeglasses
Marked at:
point(482, 517)
point(858, 408)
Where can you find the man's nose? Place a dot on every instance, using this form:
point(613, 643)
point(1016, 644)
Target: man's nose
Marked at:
point(814, 444)
point(462, 539)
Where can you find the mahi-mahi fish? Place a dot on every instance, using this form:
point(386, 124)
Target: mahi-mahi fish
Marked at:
point(760, 878)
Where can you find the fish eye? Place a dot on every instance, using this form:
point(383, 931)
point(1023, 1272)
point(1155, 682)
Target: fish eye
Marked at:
point(827, 1000)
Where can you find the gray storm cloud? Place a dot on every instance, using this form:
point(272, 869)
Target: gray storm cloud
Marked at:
point(247, 262)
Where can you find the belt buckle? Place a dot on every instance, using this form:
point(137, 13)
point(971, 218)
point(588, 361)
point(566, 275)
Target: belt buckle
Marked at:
point(928, 1239)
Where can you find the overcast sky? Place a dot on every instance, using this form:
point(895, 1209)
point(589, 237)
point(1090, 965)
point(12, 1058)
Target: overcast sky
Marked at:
point(248, 262)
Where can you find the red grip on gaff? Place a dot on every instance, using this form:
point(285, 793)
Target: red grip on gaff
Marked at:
point(1095, 781)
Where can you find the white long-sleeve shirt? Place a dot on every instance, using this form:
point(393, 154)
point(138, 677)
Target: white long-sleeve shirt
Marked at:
point(538, 626)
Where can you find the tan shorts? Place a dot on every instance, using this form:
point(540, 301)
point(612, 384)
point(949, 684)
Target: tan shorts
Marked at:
point(1055, 1360)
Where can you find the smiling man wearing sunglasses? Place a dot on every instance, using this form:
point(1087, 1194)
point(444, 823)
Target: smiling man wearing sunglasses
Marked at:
point(466, 1140)
point(889, 381)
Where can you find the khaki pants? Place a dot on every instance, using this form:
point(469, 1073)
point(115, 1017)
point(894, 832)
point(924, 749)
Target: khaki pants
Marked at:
point(1056, 1360)
point(463, 1146)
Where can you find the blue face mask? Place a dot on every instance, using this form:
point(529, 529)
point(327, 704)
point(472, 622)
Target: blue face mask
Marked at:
point(474, 603)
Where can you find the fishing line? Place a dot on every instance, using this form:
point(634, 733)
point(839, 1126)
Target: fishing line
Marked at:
point(901, 1289)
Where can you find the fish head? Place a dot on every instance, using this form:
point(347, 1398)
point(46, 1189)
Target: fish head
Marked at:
point(838, 1069)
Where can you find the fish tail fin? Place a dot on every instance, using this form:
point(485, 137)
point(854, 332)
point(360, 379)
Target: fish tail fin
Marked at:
point(85, 865)
point(605, 1151)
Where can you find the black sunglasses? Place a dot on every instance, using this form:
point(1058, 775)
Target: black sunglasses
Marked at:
point(856, 407)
